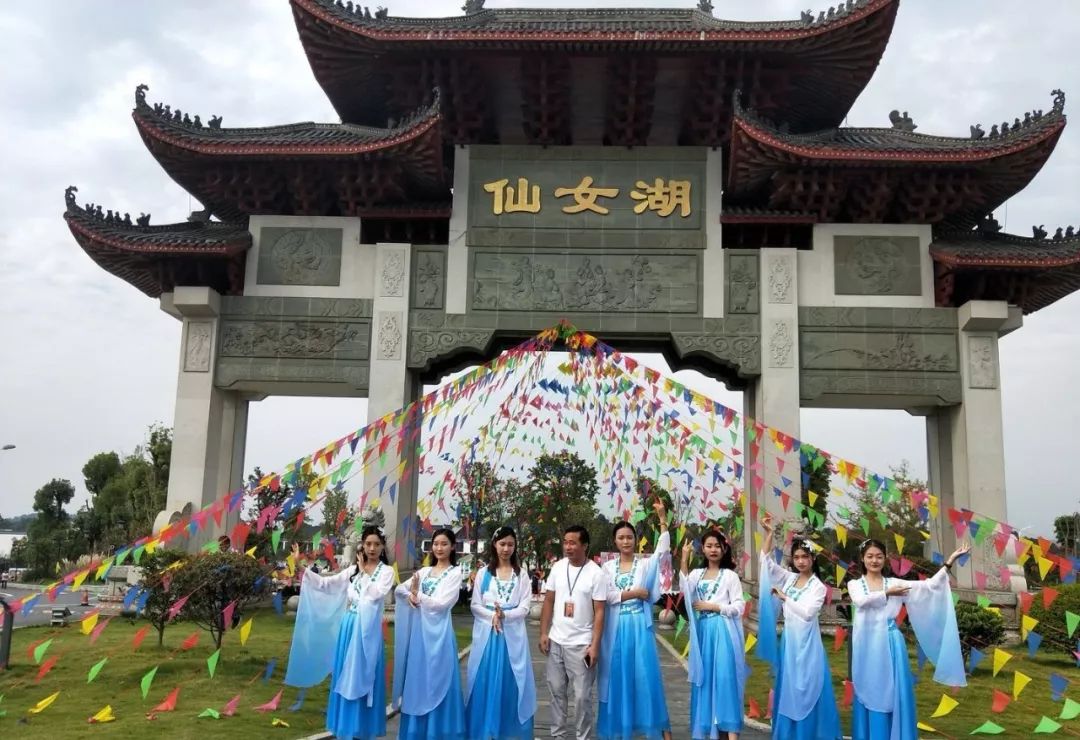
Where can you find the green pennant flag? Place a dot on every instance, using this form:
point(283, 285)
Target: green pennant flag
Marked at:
point(40, 650)
point(988, 728)
point(146, 681)
point(883, 519)
point(121, 557)
point(96, 669)
point(275, 540)
point(1046, 726)
point(211, 662)
point(138, 554)
point(982, 601)
point(1071, 710)
point(865, 524)
point(1071, 620)
point(210, 713)
point(315, 540)
point(211, 546)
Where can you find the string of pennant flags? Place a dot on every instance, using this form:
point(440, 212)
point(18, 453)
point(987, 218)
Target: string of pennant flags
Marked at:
point(635, 421)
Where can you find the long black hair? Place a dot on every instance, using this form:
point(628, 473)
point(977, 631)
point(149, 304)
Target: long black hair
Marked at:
point(801, 543)
point(448, 534)
point(727, 560)
point(866, 545)
point(622, 525)
point(501, 534)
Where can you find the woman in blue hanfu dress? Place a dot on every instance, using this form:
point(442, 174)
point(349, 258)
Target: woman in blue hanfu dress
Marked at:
point(339, 630)
point(884, 703)
point(500, 694)
point(631, 690)
point(804, 707)
point(714, 605)
point(427, 681)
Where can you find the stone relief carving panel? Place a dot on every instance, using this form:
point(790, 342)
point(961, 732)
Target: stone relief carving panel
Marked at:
point(781, 277)
point(289, 256)
point(298, 339)
point(982, 362)
point(392, 277)
point(781, 344)
point(508, 281)
point(197, 348)
point(743, 283)
point(429, 277)
point(886, 318)
point(274, 306)
point(231, 372)
point(877, 265)
point(878, 351)
point(945, 389)
point(389, 324)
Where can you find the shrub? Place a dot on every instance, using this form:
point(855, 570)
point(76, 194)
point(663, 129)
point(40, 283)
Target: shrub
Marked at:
point(979, 627)
point(1052, 625)
point(157, 577)
point(213, 581)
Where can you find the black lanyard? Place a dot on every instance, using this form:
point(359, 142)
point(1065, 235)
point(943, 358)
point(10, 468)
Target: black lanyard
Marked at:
point(570, 587)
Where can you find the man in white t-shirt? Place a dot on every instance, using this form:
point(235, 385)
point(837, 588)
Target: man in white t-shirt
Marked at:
point(571, 625)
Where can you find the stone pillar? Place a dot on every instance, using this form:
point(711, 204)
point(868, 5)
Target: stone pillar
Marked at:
point(209, 424)
point(713, 262)
point(457, 252)
point(391, 388)
point(966, 449)
point(773, 399)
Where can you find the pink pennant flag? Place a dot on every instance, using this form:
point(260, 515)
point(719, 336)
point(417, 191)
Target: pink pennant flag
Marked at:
point(980, 580)
point(139, 637)
point(227, 614)
point(272, 705)
point(230, 708)
point(98, 629)
point(176, 607)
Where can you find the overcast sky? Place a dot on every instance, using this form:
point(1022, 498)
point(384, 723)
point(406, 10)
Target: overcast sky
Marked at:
point(88, 362)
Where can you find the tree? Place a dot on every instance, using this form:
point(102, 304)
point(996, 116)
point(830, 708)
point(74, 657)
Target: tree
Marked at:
point(265, 496)
point(484, 501)
point(48, 534)
point(157, 577)
point(562, 490)
point(334, 504)
point(98, 470)
point(816, 483)
point(213, 581)
point(1067, 531)
point(885, 513)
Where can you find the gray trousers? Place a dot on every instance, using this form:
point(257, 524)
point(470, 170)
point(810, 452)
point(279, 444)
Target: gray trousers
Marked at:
point(566, 667)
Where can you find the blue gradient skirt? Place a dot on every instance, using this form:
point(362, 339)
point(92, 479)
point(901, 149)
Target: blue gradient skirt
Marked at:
point(823, 722)
point(867, 724)
point(716, 705)
point(492, 711)
point(444, 721)
point(355, 719)
point(636, 706)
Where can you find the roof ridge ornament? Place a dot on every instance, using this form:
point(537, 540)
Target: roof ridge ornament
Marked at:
point(166, 114)
point(1030, 118)
point(472, 6)
point(363, 12)
point(705, 6)
point(902, 122)
point(842, 10)
point(96, 212)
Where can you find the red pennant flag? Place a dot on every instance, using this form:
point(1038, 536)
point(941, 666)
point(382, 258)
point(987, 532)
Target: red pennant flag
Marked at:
point(768, 709)
point(272, 705)
point(755, 711)
point(169, 704)
point(230, 708)
point(1001, 700)
point(46, 667)
point(849, 693)
point(1048, 596)
point(227, 614)
point(191, 641)
point(1025, 601)
point(139, 637)
point(838, 638)
point(901, 615)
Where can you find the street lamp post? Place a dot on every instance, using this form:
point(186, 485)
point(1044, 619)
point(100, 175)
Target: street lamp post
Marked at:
point(7, 447)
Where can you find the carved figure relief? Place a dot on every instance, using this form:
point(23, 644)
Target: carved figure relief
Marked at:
point(299, 256)
point(743, 284)
point(877, 265)
point(781, 275)
point(389, 335)
point(781, 344)
point(393, 274)
point(197, 351)
point(428, 291)
point(982, 366)
point(584, 283)
point(298, 339)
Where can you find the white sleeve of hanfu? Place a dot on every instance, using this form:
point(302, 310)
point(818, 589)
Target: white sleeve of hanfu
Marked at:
point(733, 595)
point(446, 595)
point(523, 597)
point(807, 607)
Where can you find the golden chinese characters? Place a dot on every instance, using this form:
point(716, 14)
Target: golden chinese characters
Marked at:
point(663, 197)
point(585, 196)
point(509, 200)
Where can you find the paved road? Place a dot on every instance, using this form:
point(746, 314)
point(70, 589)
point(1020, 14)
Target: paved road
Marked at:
point(675, 683)
point(41, 612)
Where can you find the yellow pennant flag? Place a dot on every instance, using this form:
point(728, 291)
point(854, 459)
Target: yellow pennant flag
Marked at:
point(277, 722)
point(1027, 623)
point(841, 534)
point(245, 630)
point(757, 540)
point(290, 565)
point(44, 704)
point(751, 640)
point(925, 727)
point(79, 579)
point(812, 498)
point(105, 715)
point(899, 542)
point(250, 553)
point(686, 650)
point(1000, 659)
point(946, 705)
point(88, 623)
point(841, 571)
point(641, 544)
point(1020, 680)
point(397, 574)
point(102, 568)
point(1044, 566)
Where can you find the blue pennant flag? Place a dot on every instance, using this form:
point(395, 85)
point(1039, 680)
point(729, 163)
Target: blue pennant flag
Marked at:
point(299, 701)
point(141, 603)
point(269, 670)
point(130, 596)
point(277, 604)
point(1034, 639)
point(1058, 685)
point(976, 657)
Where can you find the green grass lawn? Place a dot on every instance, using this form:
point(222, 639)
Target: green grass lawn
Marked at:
point(1018, 719)
point(239, 671)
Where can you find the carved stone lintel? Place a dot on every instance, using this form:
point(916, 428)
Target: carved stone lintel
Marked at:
point(197, 347)
point(982, 363)
point(296, 339)
point(743, 352)
point(426, 345)
point(945, 391)
point(781, 344)
point(389, 341)
point(781, 278)
point(392, 282)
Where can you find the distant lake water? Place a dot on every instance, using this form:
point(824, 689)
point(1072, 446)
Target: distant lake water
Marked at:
point(6, 539)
